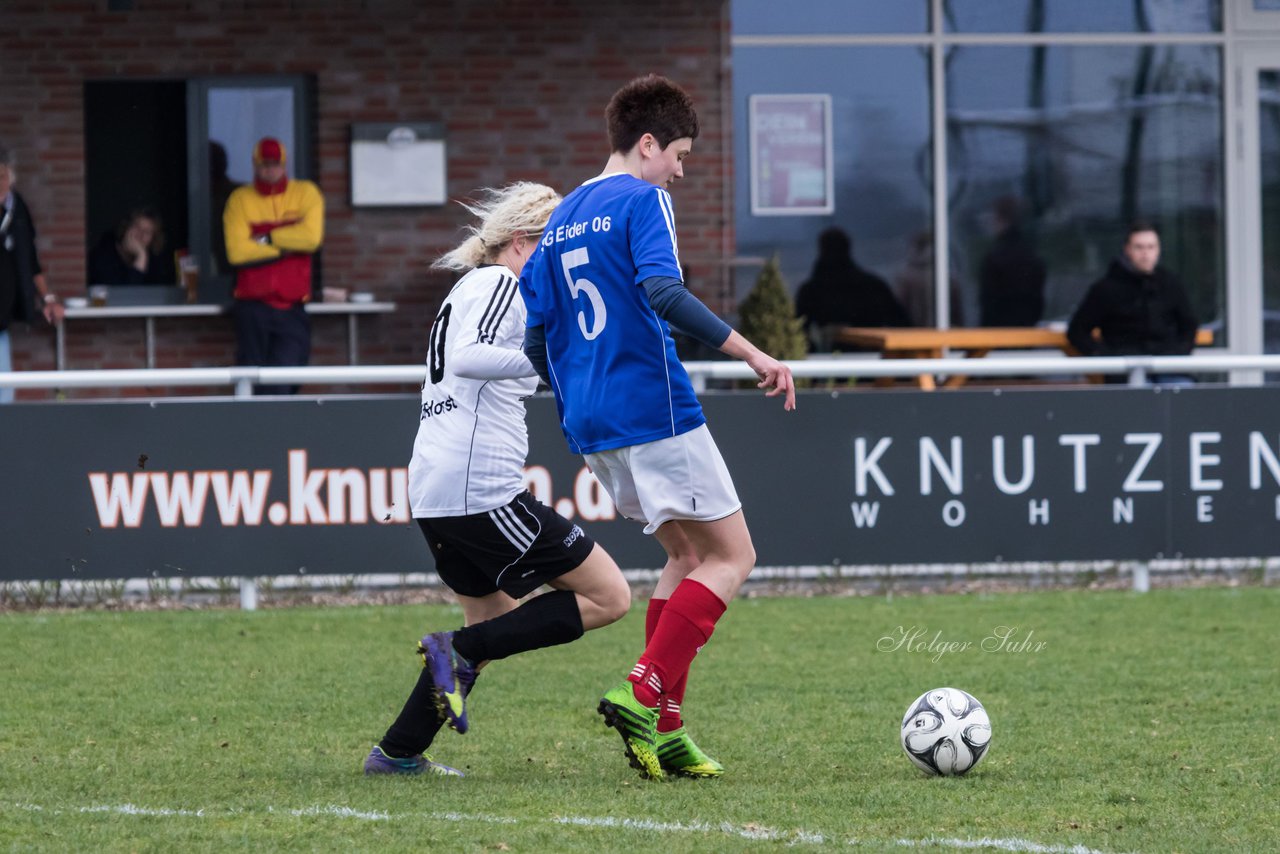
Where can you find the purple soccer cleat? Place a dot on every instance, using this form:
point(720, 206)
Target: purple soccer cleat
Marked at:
point(453, 677)
point(380, 763)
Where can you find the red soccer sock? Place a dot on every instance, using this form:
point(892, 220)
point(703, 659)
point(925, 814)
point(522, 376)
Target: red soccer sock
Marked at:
point(669, 708)
point(651, 617)
point(669, 704)
point(685, 623)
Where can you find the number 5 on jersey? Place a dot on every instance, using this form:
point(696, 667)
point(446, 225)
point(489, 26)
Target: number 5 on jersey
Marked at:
point(580, 258)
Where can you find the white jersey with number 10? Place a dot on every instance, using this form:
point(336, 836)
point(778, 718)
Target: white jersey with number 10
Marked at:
point(472, 442)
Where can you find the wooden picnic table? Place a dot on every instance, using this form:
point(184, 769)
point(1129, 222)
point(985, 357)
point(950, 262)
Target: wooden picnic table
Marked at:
point(975, 342)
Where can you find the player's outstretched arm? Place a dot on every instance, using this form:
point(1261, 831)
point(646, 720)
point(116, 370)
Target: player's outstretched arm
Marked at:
point(476, 360)
point(774, 376)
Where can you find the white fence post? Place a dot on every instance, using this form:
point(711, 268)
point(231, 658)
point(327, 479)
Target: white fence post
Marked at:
point(1141, 577)
point(248, 594)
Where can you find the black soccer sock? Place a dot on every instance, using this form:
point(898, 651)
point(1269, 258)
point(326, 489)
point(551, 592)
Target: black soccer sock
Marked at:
point(547, 620)
point(418, 723)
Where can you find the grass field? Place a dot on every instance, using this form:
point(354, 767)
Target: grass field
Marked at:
point(1139, 723)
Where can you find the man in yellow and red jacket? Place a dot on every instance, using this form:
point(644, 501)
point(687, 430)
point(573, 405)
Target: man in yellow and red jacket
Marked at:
point(273, 227)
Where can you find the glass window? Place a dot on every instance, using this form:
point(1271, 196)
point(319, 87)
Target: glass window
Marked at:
point(769, 17)
point(882, 162)
point(1083, 16)
point(1068, 145)
point(240, 116)
point(231, 114)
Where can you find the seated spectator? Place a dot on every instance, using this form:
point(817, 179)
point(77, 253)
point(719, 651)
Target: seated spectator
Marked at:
point(1012, 276)
point(133, 254)
point(1137, 309)
point(840, 293)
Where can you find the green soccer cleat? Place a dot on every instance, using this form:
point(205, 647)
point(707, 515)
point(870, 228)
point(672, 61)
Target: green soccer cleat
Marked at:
point(638, 726)
point(680, 756)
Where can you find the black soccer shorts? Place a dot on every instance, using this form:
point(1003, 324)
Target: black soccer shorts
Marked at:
point(515, 549)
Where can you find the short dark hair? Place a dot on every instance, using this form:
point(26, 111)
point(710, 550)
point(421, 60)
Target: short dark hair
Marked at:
point(835, 241)
point(1138, 226)
point(650, 104)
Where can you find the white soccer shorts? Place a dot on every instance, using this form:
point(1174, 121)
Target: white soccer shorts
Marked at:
point(683, 477)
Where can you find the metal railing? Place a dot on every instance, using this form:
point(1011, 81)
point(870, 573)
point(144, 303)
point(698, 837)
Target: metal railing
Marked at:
point(1137, 369)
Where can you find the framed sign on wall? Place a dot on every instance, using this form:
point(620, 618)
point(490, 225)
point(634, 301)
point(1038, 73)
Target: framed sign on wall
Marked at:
point(791, 155)
point(398, 164)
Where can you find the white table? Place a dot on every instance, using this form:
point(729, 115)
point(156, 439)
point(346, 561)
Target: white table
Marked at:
point(352, 310)
point(150, 313)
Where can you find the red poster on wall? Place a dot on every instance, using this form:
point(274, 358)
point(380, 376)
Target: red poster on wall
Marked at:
point(791, 162)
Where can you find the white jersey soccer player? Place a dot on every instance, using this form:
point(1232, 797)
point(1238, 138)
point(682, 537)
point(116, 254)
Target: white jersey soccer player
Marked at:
point(469, 453)
point(493, 542)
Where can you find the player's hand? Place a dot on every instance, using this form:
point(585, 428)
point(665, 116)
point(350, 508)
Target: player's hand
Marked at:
point(775, 379)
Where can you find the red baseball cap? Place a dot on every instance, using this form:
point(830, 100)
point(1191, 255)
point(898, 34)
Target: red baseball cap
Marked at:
point(268, 150)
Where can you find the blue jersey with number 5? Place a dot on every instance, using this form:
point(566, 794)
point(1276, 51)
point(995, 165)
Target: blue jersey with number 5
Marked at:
point(612, 360)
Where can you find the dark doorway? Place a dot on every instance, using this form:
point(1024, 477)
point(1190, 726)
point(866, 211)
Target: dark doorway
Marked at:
point(136, 155)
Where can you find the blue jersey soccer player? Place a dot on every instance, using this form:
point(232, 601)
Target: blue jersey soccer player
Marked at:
point(601, 289)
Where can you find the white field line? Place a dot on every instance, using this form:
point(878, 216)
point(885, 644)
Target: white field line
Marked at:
point(997, 844)
point(117, 809)
point(750, 831)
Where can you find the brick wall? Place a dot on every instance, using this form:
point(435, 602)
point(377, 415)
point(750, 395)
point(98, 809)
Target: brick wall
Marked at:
point(520, 85)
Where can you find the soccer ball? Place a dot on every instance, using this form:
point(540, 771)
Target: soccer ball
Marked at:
point(946, 732)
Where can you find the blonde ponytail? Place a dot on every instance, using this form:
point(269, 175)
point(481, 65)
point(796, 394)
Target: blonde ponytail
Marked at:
point(518, 209)
point(468, 255)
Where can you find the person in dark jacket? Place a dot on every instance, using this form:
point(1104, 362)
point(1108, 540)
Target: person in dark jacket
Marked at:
point(1012, 276)
point(24, 293)
point(1137, 309)
point(133, 254)
point(840, 293)
point(221, 186)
